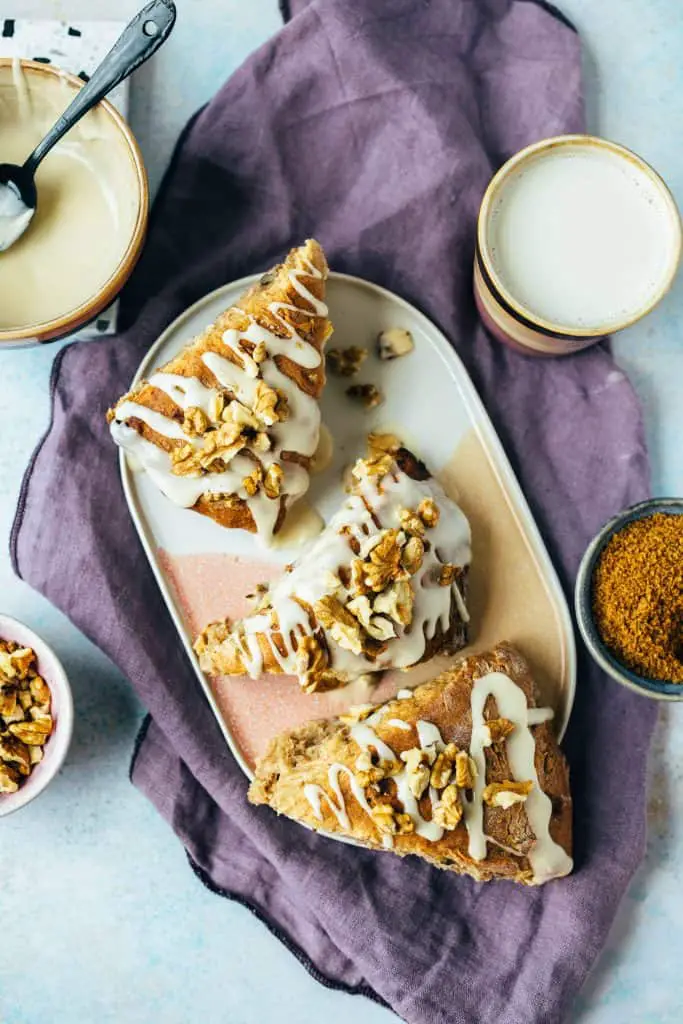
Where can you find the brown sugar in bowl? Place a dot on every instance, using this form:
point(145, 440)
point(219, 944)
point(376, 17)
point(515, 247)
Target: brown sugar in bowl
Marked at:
point(32, 95)
point(621, 655)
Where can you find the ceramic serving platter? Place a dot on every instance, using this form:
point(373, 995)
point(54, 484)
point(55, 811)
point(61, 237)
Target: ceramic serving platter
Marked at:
point(205, 571)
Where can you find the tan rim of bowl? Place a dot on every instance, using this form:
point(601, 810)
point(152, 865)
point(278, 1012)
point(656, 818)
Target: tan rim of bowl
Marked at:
point(529, 153)
point(87, 311)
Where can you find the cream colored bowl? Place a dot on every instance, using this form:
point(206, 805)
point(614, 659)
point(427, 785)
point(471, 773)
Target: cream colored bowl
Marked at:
point(93, 201)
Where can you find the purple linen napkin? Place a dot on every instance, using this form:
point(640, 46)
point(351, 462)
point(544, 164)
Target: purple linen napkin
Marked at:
point(373, 125)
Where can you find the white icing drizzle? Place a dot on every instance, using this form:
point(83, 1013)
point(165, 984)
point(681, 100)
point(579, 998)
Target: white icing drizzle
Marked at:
point(404, 695)
point(314, 794)
point(428, 733)
point(398, 723)
point(535, 716)
point(547, 858)
point(298, 433)
point(309, 580)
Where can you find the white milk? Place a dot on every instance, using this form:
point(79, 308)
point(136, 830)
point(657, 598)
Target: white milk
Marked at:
point(581, 237)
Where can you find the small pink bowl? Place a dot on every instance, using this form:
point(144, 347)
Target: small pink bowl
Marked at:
point(56, 747)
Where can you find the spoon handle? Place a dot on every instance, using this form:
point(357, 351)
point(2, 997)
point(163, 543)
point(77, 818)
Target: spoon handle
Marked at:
point(138, 41)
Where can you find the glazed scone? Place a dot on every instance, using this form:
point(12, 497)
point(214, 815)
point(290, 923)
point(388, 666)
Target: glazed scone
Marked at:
point(464, 771)
point(229, 426)
point(384, 585)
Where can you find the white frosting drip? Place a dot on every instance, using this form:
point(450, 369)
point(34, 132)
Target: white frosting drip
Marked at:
point(314, 794)
point(398, 723)
point(309, 580)
point(299, 433)
point(547, 858)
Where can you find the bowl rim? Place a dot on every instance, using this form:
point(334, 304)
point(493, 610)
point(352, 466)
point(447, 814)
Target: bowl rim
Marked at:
point(656, 689)
point(64, 728)
point(78, 316)
point(529, 153)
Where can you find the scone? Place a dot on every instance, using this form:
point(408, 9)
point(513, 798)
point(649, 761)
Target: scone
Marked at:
point(229, 426)
point(384, 585)
point(464, 771)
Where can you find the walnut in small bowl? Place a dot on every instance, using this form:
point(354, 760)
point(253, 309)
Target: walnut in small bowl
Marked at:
point(25, 714)
point(36, 715)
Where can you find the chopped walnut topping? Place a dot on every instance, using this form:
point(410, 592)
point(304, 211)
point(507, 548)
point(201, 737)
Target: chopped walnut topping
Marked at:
point(311, 663)
point(411, 522)
point(240, 416)
point(195, 422)
point(443, 766)
point(394, 342)
point(260, 353)
point(272, 481)
point(368, 395)
point(265, 403)
point(392, 822)
point(465, 770)
point(499, 729)
point(448, 574)
point(376, 626)
point(417, 770)
point(413, 555)
point(448, 811)
point(342, 626)
point(505, 794)
point(346, 362)
point(260, 598)
point(252, 482)
point(396, 602)
point(384, 565)
point(357, 713)
point(384, 444)
point(428, 511)
point(216, 406)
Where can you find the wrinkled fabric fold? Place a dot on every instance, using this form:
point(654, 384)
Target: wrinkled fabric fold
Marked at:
point(375, 127)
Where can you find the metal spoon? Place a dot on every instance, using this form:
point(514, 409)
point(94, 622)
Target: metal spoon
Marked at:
point(138, 41)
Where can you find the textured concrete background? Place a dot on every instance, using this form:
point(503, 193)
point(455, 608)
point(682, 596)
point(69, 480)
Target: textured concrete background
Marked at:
point(102, 919)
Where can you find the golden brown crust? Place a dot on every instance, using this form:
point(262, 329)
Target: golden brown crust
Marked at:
point(274, 286)
point(304, 756)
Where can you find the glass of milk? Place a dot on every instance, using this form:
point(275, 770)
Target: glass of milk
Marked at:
point(577, 238)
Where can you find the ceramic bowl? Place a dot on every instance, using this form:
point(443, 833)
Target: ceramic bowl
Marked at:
point(118, 169)
point(655, 688)
point(57, 746)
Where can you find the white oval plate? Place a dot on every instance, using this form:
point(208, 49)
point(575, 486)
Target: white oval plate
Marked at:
point(204, 570)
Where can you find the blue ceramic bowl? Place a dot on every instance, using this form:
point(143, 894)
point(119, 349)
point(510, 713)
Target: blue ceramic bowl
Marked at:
point(656, 688)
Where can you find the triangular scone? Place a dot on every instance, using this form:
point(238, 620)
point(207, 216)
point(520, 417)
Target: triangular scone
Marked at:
point(228, 427)
point(383, 586)
point(464, 771)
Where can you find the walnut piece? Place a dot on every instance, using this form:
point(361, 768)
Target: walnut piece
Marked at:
point(498, 729)
point(357, 713)
point(411, 523)
point(195, 422)
point(391, 822)
point(448, 574)
point(396, 602)
point(367, 395)
point(417, 770)
point(252, 482)
point(340, 624)
point(465, 770)
point(346, 362)
point(311, 663)
point(394, 342)
point(428, 511)
point(272, 481)
point(448, 811)
point(444, 766)
point(505, 794)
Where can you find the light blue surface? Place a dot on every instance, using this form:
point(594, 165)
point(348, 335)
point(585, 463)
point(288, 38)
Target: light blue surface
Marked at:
point(102, 919)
